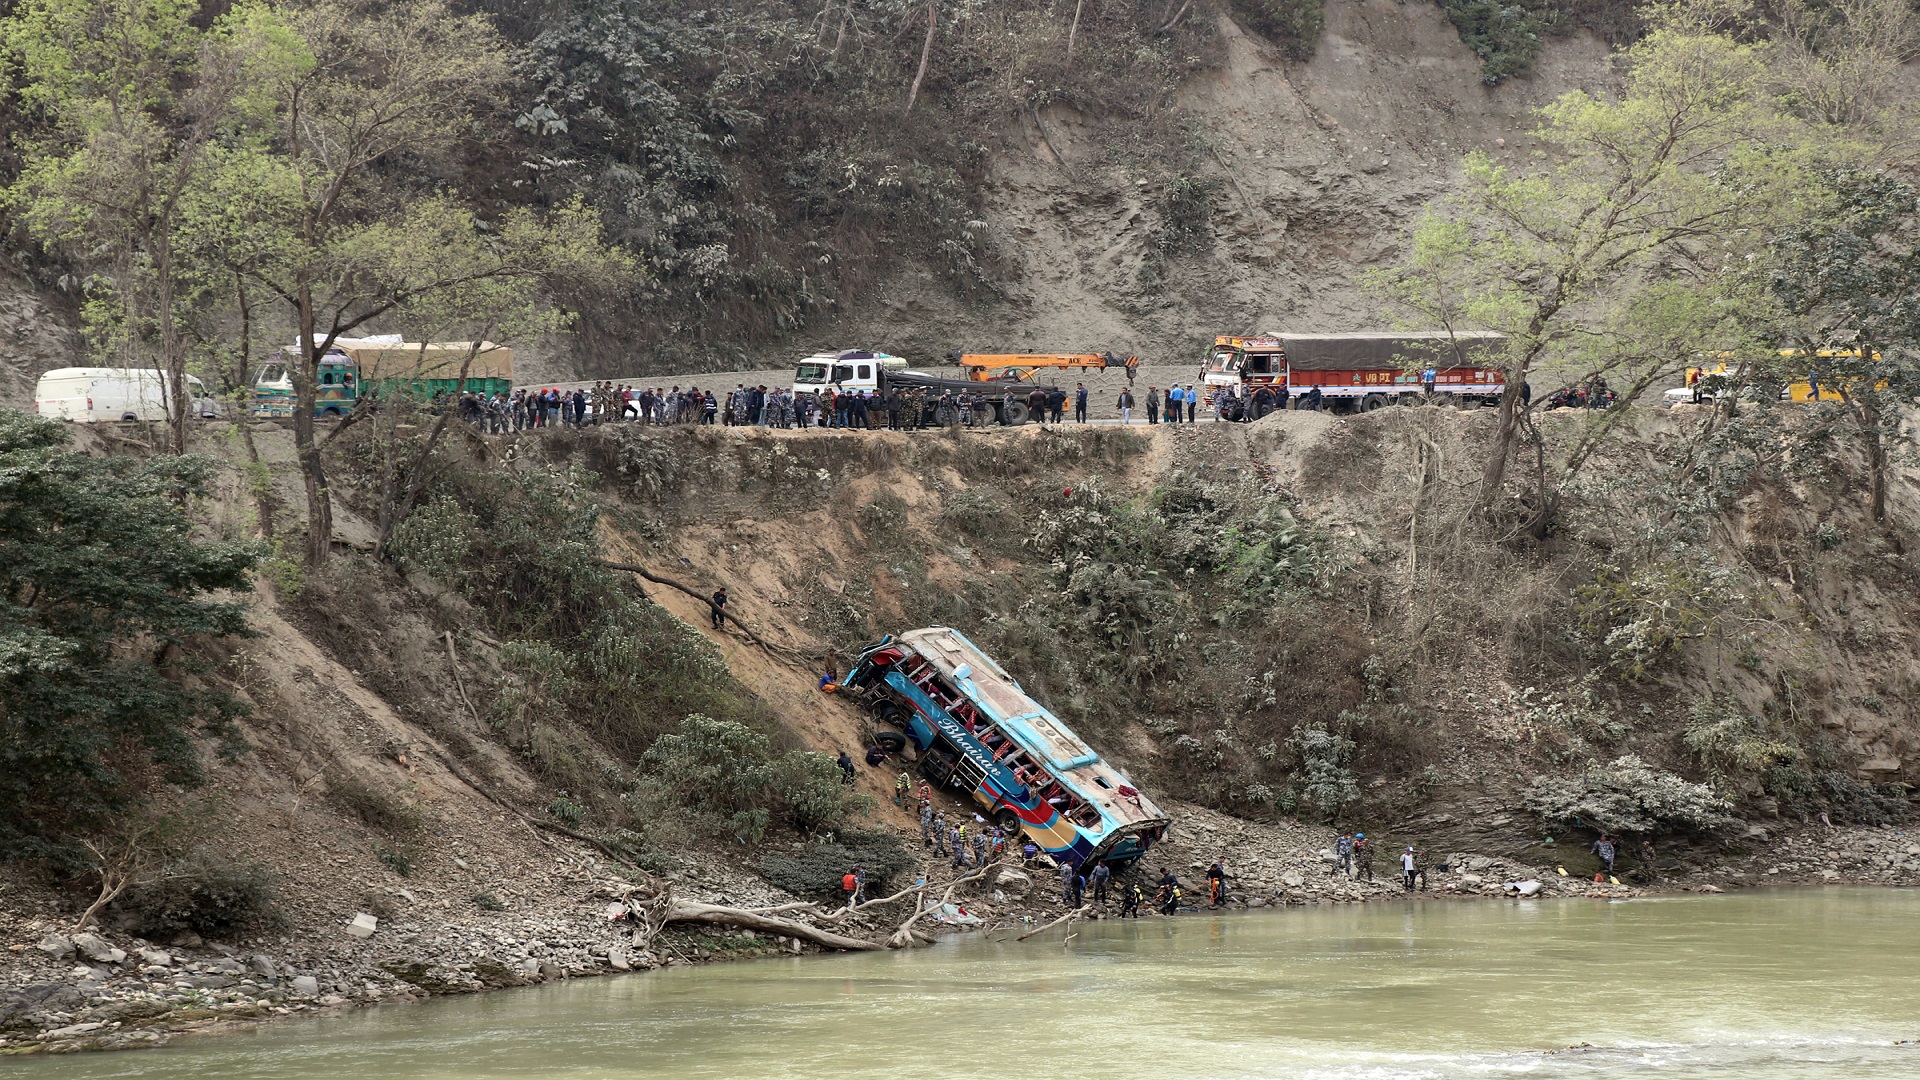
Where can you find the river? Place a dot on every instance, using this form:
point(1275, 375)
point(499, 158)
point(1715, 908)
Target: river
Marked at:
point(1816, 983)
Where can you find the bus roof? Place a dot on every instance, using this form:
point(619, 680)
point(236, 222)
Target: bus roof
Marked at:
point(1385, 350)
point(1028, 723)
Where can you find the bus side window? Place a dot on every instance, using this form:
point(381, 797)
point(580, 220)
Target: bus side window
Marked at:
point(326, 378)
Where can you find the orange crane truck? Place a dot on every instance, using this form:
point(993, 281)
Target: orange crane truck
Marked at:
point(1023, 367)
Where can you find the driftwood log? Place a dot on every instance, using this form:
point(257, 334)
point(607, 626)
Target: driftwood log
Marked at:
point(651, 908)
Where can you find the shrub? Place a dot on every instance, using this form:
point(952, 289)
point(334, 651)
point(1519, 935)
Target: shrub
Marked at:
point(486, 901)
point(205, 893)
point(725, 777)
point(1294, 26)
point(1504, 34)
point(813, 870)
point(1327, 779)
point(1731, 744)
point(1628, 796)
point(1634, 620)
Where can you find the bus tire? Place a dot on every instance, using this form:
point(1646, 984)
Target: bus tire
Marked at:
point(330, 411)
point(1007, 820)
point(891, 741)
point(1372, 402)
point(1016, 413)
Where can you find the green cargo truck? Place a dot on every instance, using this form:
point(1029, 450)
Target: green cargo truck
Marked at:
point(385, 368)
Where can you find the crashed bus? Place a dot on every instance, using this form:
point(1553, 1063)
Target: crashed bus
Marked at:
point(977, 731)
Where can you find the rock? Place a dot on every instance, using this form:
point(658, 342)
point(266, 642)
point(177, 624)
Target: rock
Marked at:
point(552, 971)
point(306, 986)
point(225, 965)
point(156, 957)
point(1708, 888)
point(617, 959)
point(264, 965)
point(187, 939)
point(1257, 901)
point(119, 1012)
point(1471, 879)
point(211, 982)
point(1524, 888)
point(56, 946)
point(97, 948)
point(530, 966)
point(363, 925)
point(1479, 862)
point(1014, 881)
point(74, 1029)
point(999, 897)
point(1293, 881)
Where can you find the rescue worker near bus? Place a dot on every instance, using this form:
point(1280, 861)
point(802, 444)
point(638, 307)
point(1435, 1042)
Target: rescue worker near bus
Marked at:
point(902, 786)
point(1169, 895)
point(1131, 897)
point(1216, 884)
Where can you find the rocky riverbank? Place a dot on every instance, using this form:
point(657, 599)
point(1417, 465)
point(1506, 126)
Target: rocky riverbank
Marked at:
point(63, 992)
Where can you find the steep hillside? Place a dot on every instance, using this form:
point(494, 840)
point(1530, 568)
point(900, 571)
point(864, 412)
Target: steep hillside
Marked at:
point(1214, 186)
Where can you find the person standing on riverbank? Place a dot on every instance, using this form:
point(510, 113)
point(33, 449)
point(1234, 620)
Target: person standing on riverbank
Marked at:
point(1098, 879)
point(1342, 856)
point(1406, 866)
point(1131, 897)
point(1605, 851)
point(1362, 857)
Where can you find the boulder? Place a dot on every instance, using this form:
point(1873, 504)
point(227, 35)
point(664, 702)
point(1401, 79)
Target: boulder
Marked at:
point(263, 965)
point(56, 946)
point(1293, 881)
point(123, 1011)
point(98, 949)
point(617, 959)
point(306, 986)
point(363, 925)
point(156, 957)
point(1014, 881)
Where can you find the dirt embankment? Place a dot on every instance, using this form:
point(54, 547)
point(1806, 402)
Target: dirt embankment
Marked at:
point(374, 787)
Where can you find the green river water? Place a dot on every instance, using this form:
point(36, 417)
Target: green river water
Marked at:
point(1816, 983)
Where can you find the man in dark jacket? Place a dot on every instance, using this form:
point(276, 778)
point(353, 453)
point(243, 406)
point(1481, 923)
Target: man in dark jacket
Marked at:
point(1057, 404)
point(1080, 403)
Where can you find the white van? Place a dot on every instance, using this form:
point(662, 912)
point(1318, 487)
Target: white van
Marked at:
point(87, 395)
point(851, 370)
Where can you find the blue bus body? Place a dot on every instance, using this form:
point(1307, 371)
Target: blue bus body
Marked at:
point(977, 731)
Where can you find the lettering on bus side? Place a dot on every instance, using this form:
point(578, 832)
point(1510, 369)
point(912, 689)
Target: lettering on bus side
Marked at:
point(961, 738)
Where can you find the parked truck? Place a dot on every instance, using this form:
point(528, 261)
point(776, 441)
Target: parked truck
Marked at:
point(992, 401)
point(385, 367)
point(1357, 372)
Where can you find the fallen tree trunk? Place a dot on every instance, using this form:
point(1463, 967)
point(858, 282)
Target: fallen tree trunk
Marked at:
point(906, 937)
point(694, 911)
point(724, 614)
point(1074, 914)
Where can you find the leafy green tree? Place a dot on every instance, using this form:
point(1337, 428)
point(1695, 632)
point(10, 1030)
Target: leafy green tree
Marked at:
point(104, 585)
point(1619, 257)
point(1847, 278)
point(135, 98)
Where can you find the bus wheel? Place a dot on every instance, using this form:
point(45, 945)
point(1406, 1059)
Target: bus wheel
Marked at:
point(330, 411)
point(1016, 412)
point(891, 741)
point(1372, 402)
point(1008, 821)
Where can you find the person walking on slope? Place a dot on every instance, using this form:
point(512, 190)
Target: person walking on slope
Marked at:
point(926, 825)
point(1066, 884)
point(1342, 856)
point(717, 608)
point(1362, 857)
point(846, 768)
point(957, 839)
point(980, 849)
point(902, 787)
point(939, 833)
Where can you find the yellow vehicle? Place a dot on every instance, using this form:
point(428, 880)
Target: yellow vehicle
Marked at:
point(1703, 383)
point(1022, 367)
